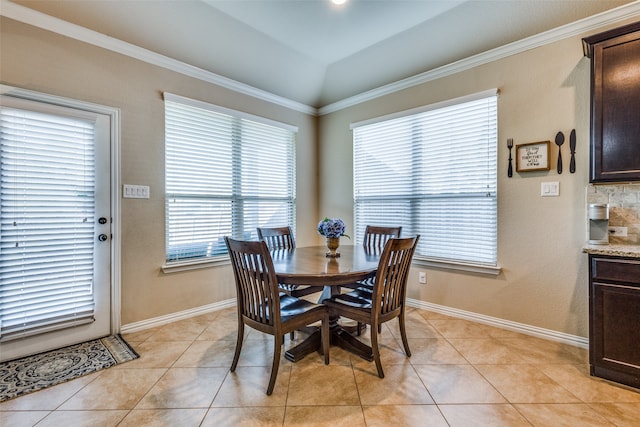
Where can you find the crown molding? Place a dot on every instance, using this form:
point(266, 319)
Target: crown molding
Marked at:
point(77, 32)
point(49, 23)
point(582, 26)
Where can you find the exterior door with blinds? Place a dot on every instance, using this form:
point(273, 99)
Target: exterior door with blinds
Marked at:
point(55, 226)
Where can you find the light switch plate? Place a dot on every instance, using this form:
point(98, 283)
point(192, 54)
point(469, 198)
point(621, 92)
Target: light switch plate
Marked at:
point(549, 189)
point(135, 191)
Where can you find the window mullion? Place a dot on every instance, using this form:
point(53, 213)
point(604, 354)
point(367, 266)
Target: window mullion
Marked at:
point(237, 204)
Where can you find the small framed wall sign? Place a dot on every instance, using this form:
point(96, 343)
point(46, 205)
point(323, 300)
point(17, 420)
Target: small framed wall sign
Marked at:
point(532, 157)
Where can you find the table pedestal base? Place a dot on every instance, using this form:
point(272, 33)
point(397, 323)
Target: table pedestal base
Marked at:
point(340, 337)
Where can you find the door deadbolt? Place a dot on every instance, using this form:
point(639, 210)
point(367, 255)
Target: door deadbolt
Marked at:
point(102, 237)
point(102, 220)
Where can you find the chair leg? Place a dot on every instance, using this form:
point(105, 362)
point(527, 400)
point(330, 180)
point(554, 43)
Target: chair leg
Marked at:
point(326, 339)
point(403, 334)
point(236, 355)
point(277, 350)
point(376, 350)
point(292, 335)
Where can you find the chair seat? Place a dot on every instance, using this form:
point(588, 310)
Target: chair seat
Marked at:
point(367, 282)
point(353, 299)
point(363, 292)
point(287, 287)
point(299, 290)
point(291, 306)
point(360, 291)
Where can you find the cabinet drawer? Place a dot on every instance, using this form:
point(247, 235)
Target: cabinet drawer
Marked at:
point(616, 270)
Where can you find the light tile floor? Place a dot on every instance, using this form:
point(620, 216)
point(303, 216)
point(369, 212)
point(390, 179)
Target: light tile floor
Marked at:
point(460, 374)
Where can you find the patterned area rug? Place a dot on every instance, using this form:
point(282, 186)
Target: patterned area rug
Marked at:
point(32, 373)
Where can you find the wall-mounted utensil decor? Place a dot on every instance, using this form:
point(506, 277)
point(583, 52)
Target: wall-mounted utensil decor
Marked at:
point(510, 146)
point(532, 157)
point(559, 142)
point(572, 147)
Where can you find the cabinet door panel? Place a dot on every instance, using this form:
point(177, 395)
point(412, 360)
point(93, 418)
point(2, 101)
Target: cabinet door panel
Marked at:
point(620, 106)
point(618, 331)
point(615, 102)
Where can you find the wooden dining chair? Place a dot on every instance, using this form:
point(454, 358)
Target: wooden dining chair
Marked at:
point(262, 307)
point(281, 238)
point(375, 237)
point(277, 237)
point(389, 295)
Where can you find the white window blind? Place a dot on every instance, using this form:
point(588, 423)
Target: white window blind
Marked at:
point(226, 174)
point(433, 172)
point(46, 221)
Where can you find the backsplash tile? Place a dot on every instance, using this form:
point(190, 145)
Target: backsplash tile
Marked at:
point(624, 209)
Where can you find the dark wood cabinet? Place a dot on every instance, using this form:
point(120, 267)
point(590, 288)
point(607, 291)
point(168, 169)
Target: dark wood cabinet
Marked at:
point(614, 319)
point(615, 104)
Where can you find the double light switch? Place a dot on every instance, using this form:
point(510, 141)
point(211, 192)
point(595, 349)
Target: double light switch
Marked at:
point(548, 189)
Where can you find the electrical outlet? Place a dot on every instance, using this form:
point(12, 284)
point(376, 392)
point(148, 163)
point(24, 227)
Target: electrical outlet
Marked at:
point(422, 277)
point(618, 231)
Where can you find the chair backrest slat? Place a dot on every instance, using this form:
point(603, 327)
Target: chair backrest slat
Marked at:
point(389, 289)
point(375, 237)
point(256, 284)
point(277, 237)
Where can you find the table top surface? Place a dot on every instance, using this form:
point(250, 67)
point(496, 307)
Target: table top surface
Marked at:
point(310, 265)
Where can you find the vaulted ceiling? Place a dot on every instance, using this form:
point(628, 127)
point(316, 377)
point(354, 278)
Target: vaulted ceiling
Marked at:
point(312, 51)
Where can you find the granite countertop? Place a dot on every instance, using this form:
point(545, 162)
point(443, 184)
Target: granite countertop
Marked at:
point(631, 251)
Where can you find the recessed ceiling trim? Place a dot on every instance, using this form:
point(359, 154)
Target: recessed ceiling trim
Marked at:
point(582, 26)
point(38, 19)
point(49, 23)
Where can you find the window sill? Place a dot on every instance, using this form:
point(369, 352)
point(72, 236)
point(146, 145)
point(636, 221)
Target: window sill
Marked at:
point(178, 266)
point(459, 266)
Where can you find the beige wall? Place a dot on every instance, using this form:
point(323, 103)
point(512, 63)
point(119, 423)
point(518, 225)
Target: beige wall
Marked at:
point(34, 59)
point(544, 272)
point(544, 280)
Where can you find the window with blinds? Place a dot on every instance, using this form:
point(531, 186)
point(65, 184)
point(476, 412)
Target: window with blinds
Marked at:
point(227, 173)
point(433, 171)
point(46, 220)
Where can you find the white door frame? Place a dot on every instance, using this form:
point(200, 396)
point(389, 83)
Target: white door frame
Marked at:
point(116, 241)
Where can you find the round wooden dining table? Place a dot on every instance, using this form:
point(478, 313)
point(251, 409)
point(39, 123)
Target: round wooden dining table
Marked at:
point(310, 266)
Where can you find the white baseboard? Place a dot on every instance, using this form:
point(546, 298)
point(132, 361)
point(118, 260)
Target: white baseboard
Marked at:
point(181, 315)
point(453, 312)
point(501, 323)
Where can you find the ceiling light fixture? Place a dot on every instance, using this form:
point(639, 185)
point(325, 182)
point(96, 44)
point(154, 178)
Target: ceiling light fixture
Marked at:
point(338, 2)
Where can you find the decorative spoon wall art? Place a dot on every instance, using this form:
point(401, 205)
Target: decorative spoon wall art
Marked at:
point(559, 142)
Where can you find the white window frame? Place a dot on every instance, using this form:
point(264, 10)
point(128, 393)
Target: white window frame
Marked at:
point(409, 188)
point(236, 191)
